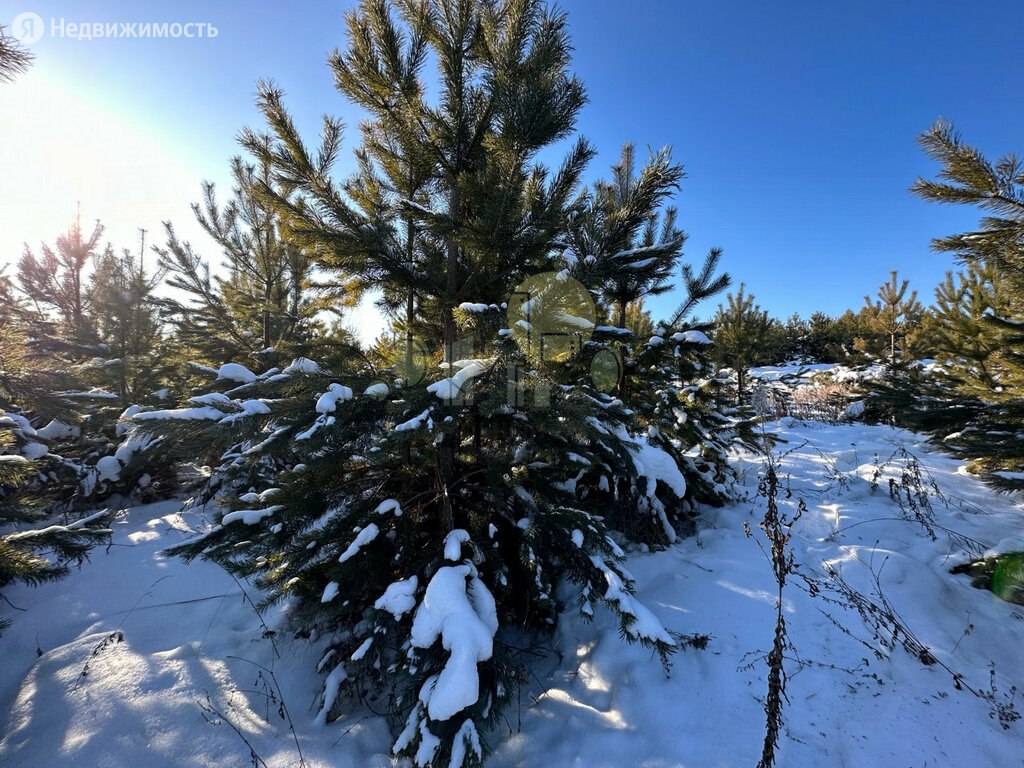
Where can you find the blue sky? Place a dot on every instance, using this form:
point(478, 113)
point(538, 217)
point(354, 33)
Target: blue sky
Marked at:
point(796, 121)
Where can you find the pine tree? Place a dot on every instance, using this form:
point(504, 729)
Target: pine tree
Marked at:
point(744, 337)
point(417, 514)
point(793, 339)
point(90, 321)
point(976, 408)
point(127, 317)
point(639, 321)
point(34, 545)
point(971, 347)
point(264, 308)
point(14, 58)
point(830, 339)
point(56, 283)
point(625, 242)
point(893, 316)
point(622, 219)
point(682, 402)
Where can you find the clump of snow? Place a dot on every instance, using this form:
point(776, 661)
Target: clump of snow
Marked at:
point(1006, 475)
point(330, 592)
point(302, 365)
point(692, 337)
point(124, 420)
point(416, 422)
point(359, 652)
point(33, 451)
point(58, 430)
point(326, 404)
point(255, 498)
point(476, 308)
point(655, 464)
point(855, 410)
point(465, 618)
point(429, 744)
point(135, 443)
point(332, 685)
point(399, 598)
point(108, 468)
point(236, 372)
point(364, 537)
point(328, 401)
point(321, 421)
point(389, 506)
point(18, 423)
point(182, 414)
point(466, 740)
point(449, 389)
point(645, 625)
point(250, 516)
point(249, 408)
point(378, 390)
point(573, 321)
point(453, 544)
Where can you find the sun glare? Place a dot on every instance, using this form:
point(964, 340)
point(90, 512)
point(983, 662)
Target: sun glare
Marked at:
point(59, 150)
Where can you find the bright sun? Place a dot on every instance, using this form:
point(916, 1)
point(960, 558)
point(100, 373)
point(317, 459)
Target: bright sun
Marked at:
point(58, 150)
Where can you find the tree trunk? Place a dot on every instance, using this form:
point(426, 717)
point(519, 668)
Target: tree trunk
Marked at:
point(446, 456)
point(410, 309)
point(620, 321)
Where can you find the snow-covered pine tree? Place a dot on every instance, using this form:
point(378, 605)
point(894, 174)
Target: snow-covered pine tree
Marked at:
point(689, 409)
point(420, 519)
point(90, 321)
point(127, 320)
point(625, 245)
point(137, 366)
point(61, 337)
point(35, 544)
point(976, 409)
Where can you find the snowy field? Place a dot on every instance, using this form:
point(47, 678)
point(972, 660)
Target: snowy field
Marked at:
point(141, 660)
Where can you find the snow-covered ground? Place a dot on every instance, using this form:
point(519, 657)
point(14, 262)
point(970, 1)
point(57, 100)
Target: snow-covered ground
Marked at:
point(112, 667)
